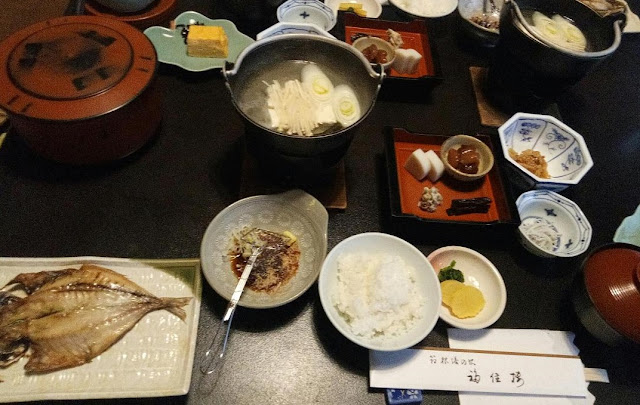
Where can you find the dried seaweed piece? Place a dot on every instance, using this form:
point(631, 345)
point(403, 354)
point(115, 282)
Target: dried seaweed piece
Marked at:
point(469, 206)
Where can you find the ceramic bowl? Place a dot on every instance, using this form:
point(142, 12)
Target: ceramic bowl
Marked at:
point(126, 6)
point(419, 8)
point(567, 230)
point(371, 7)
point(486, 157)
point(283, 28)
point(629, 229)
point(424, 277)
point(307, 11)
point(470, 10)
point(607, 296)
point(294, 211)
point(364, 42)
point(565, 151)
point(478, 272)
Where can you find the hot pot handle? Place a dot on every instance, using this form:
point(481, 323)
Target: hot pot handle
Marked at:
point(228, 66)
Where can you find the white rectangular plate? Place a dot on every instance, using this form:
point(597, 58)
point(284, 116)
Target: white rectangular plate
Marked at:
point(154, 359)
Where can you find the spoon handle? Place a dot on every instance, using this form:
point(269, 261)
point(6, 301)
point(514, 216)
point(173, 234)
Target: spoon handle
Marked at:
point(214, 355)
point(212, 361)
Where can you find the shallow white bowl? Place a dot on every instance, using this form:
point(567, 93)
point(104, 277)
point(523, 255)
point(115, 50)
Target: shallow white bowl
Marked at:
point(425, 278)
point(478, 272)
point(565, 150)
point(563, 215)
point(294, 211)
point(372, 7)
point(439, 8)
point(307, 11)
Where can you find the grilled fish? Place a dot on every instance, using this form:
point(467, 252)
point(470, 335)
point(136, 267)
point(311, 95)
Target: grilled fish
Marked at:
point(70, 316)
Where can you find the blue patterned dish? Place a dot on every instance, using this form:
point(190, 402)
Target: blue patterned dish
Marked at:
point(569, 230)
point(172, 49)
point(307, 11)
point(293, 28)
point(564, 150)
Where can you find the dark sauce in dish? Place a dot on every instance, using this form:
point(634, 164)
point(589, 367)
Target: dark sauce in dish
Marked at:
point(275, 265)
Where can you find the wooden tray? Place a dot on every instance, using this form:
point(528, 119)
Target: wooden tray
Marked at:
point(405, 190)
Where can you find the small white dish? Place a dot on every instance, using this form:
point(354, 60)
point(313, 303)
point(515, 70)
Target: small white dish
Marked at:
point(283, 28)
point(629, 229)
point(294, 211)
point(566, 219)
point(426, 9)
point(478, 272)
point(425, 278)
point(371, 7)
point(307, 11)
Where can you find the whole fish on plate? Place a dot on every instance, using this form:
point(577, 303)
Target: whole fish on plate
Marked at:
point(70, 316)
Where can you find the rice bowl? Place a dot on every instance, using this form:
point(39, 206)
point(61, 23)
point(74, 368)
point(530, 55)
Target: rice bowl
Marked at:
point(387, 310)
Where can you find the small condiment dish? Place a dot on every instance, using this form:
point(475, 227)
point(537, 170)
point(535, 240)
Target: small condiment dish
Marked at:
point(472, 10)
point(485, 154)
point(478, 272)
point(568, 230)
point(425, 279)
point(365, 42)
point(305, 11)
point(565, 151)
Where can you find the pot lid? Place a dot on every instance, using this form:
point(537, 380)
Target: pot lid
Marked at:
point(74, 67)
point(612, 279)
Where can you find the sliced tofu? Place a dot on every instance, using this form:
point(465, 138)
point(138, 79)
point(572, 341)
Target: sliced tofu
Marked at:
point(437, 167)
point(418, 164)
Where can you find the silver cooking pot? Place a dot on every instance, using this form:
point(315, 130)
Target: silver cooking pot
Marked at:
point(290, 152)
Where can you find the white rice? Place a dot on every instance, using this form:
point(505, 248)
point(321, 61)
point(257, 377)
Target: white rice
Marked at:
point(377, 294)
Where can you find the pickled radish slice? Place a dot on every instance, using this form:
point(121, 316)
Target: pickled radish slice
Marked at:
point(467, 302)
point(449, 288)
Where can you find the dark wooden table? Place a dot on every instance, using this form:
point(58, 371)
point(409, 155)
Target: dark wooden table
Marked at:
point(158, 203)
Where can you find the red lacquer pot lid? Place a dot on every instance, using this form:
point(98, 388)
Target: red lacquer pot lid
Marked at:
point(74, 67)
point(612, 278)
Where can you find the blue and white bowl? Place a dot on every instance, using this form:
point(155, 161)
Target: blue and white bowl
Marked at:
point(292, 28)
point(569, 230)
point(565, 151)
point(307, 12)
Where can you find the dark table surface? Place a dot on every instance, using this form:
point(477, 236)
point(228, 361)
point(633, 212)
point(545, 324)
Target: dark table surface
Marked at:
point(158, 203)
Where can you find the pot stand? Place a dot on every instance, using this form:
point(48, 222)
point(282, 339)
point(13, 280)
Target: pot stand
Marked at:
point(329, 188)
point(494, 114)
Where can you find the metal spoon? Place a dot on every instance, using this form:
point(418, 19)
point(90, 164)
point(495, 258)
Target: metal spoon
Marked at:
point(214, 355)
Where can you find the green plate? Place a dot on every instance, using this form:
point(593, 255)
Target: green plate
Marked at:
point(172, 49)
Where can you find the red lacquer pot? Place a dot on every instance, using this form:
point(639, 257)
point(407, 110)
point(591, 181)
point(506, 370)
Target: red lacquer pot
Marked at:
point(81, 89)
point(607, 300)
